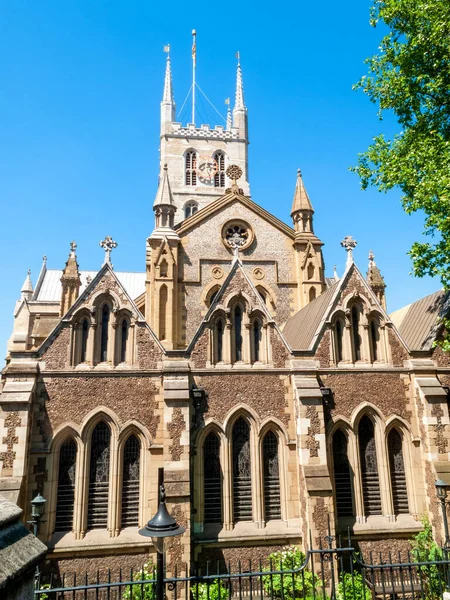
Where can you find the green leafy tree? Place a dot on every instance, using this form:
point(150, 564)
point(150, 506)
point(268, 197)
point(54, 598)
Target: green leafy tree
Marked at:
point(410, 77)
point(300, 584)
point(425, 549)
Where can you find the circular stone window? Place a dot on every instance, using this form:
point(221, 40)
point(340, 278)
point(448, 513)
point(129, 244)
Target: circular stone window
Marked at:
point(237, 234)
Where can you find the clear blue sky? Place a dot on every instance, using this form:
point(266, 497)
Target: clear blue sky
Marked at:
point(80, 86)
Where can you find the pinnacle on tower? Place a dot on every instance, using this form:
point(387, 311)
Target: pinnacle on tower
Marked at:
point(27, 288)
point(239, 103)
point(302, 210)
point(168, 88)
point(376, 280)
point(70, 281)
point(164, 207)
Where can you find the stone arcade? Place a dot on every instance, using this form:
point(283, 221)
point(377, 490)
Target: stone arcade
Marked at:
point(272, 395)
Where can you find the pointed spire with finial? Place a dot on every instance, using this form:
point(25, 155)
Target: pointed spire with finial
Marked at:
point(229, 117)
point(27, 288)
point(302, 210)
point(164, 207)
point(349, 244)
point(168, 102)
point(70, 281)
point(335, 274)
point(239, 103)
point(376, 280)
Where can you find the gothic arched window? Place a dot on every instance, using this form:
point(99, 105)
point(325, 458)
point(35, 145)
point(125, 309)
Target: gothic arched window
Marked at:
point(398, 475)
point(66, 486)
point(369, 467)
point(163, 298)
point(84, 340)
point(104, 333)
point(212, 479)
point(312, 294)
point(130, 485)
point(256, 335)
point(342, 475)
point(310, 271)
point(242, 480)
point(191, 166)
point(219, 177)
point(238, 333)
point(339, 336)
point(355, 334)
point(219, 341)
point(374, 335)
point(190, 208)
point(99, 477)
point(124, 330)
point(272, 501)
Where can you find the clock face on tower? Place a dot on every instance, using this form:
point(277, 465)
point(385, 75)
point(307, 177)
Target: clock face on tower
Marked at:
point(206, 168)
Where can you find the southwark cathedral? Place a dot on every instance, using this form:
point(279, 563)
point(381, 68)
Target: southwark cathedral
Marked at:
point(278, 400)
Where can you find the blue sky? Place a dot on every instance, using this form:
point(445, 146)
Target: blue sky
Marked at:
point(80, 86)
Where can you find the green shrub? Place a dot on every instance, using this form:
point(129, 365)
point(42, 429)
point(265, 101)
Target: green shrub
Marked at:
point(352, 588)
point(300, 585)
point(211, 591)
point(139, 591)
point(425, 549)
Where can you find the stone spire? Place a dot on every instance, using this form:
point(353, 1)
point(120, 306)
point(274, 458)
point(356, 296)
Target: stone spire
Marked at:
point(164, 207)
point(302, 210)
point(229, 117)
point(70, 281)
point(240, 110)
point(349, 244)
point(168, 102)
point(27, 288)
point(239, 103)
point(376, 280)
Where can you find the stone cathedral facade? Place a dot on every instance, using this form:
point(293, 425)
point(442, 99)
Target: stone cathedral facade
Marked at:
point(275, 398)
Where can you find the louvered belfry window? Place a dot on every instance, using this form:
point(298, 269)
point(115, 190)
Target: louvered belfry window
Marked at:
point(191, 173)
point(369, 468)
point(219, 177)
point(130, 485)
point(398, 475)
point(342, 475)
point(212, 479)
point(272, 501)
point(99, 477)
point(66, 486)
point(242, 481)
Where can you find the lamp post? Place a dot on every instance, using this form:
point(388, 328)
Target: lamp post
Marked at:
point(160, 527)
point(37, 512)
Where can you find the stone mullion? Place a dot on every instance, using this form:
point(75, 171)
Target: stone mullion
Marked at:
point(111, 346)
point(226, 460)
point(92, 344)
point(82, 491)
point(73, 339)
point(347, 344)
point(228, 344)
point(114, 490)
point(257, 499)
point(357, 479)
point(265, 343)
point(366, 355)
point(246, 350)
point(131, 344)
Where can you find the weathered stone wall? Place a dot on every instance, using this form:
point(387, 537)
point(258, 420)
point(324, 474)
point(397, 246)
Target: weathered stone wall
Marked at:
point(229, 557)
point(388, 391)
point(101, 563)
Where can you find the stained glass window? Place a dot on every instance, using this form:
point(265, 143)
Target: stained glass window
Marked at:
point(272, 501)
point(130, 485)
point(99, 477)
point(342, 475)
point(66, 486)
point(242, 481)
point(369, 467)
point(398, 475)
point(212, 479)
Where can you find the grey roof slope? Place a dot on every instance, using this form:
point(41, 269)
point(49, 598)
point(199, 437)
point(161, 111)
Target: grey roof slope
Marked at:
point(299, 329)
point(20, 551)
point(49, 289)
point(418, 322)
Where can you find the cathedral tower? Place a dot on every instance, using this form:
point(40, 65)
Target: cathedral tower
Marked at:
point(197, 156)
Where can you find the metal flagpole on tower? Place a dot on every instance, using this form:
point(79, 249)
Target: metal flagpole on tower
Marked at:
point(194, 60)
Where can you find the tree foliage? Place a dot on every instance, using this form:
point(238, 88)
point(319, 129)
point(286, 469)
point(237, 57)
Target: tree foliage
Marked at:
point(410, 76)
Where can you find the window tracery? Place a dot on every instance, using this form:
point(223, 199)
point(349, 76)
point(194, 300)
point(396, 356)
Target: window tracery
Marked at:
point(397, 472)
point(212, 479)
point(99, 477)
point(66, 486)
point(191, 168)
point(342, 475)
point(272, 501)
point(369, 467)
point(130, 484)
point(242, 483)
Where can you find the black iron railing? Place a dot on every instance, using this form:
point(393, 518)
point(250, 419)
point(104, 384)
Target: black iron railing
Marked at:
point(337, 572)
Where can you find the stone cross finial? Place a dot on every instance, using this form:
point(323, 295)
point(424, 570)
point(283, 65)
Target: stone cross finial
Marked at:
point(73, 246)
point(371, 259)
point(349, 244)
point(108, 244)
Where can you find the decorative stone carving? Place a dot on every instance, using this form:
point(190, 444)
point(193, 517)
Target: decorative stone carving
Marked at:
point(217, 272)
point(237, 235)
point(234, 172)
point(12, 421)
point(258, 273)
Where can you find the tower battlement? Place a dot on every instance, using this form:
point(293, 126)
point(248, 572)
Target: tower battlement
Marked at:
point(204, 132)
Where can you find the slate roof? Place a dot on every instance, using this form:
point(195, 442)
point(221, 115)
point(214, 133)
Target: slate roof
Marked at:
point(299, 329)
point(20, 551)
point(418, 322)
point(49, 289)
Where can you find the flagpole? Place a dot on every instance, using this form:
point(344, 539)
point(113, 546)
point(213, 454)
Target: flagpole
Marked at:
point(194, 60)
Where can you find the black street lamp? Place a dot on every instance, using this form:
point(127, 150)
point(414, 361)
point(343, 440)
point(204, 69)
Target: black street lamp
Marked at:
point(441, 492)
point(160, 527)
point(37, 512)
